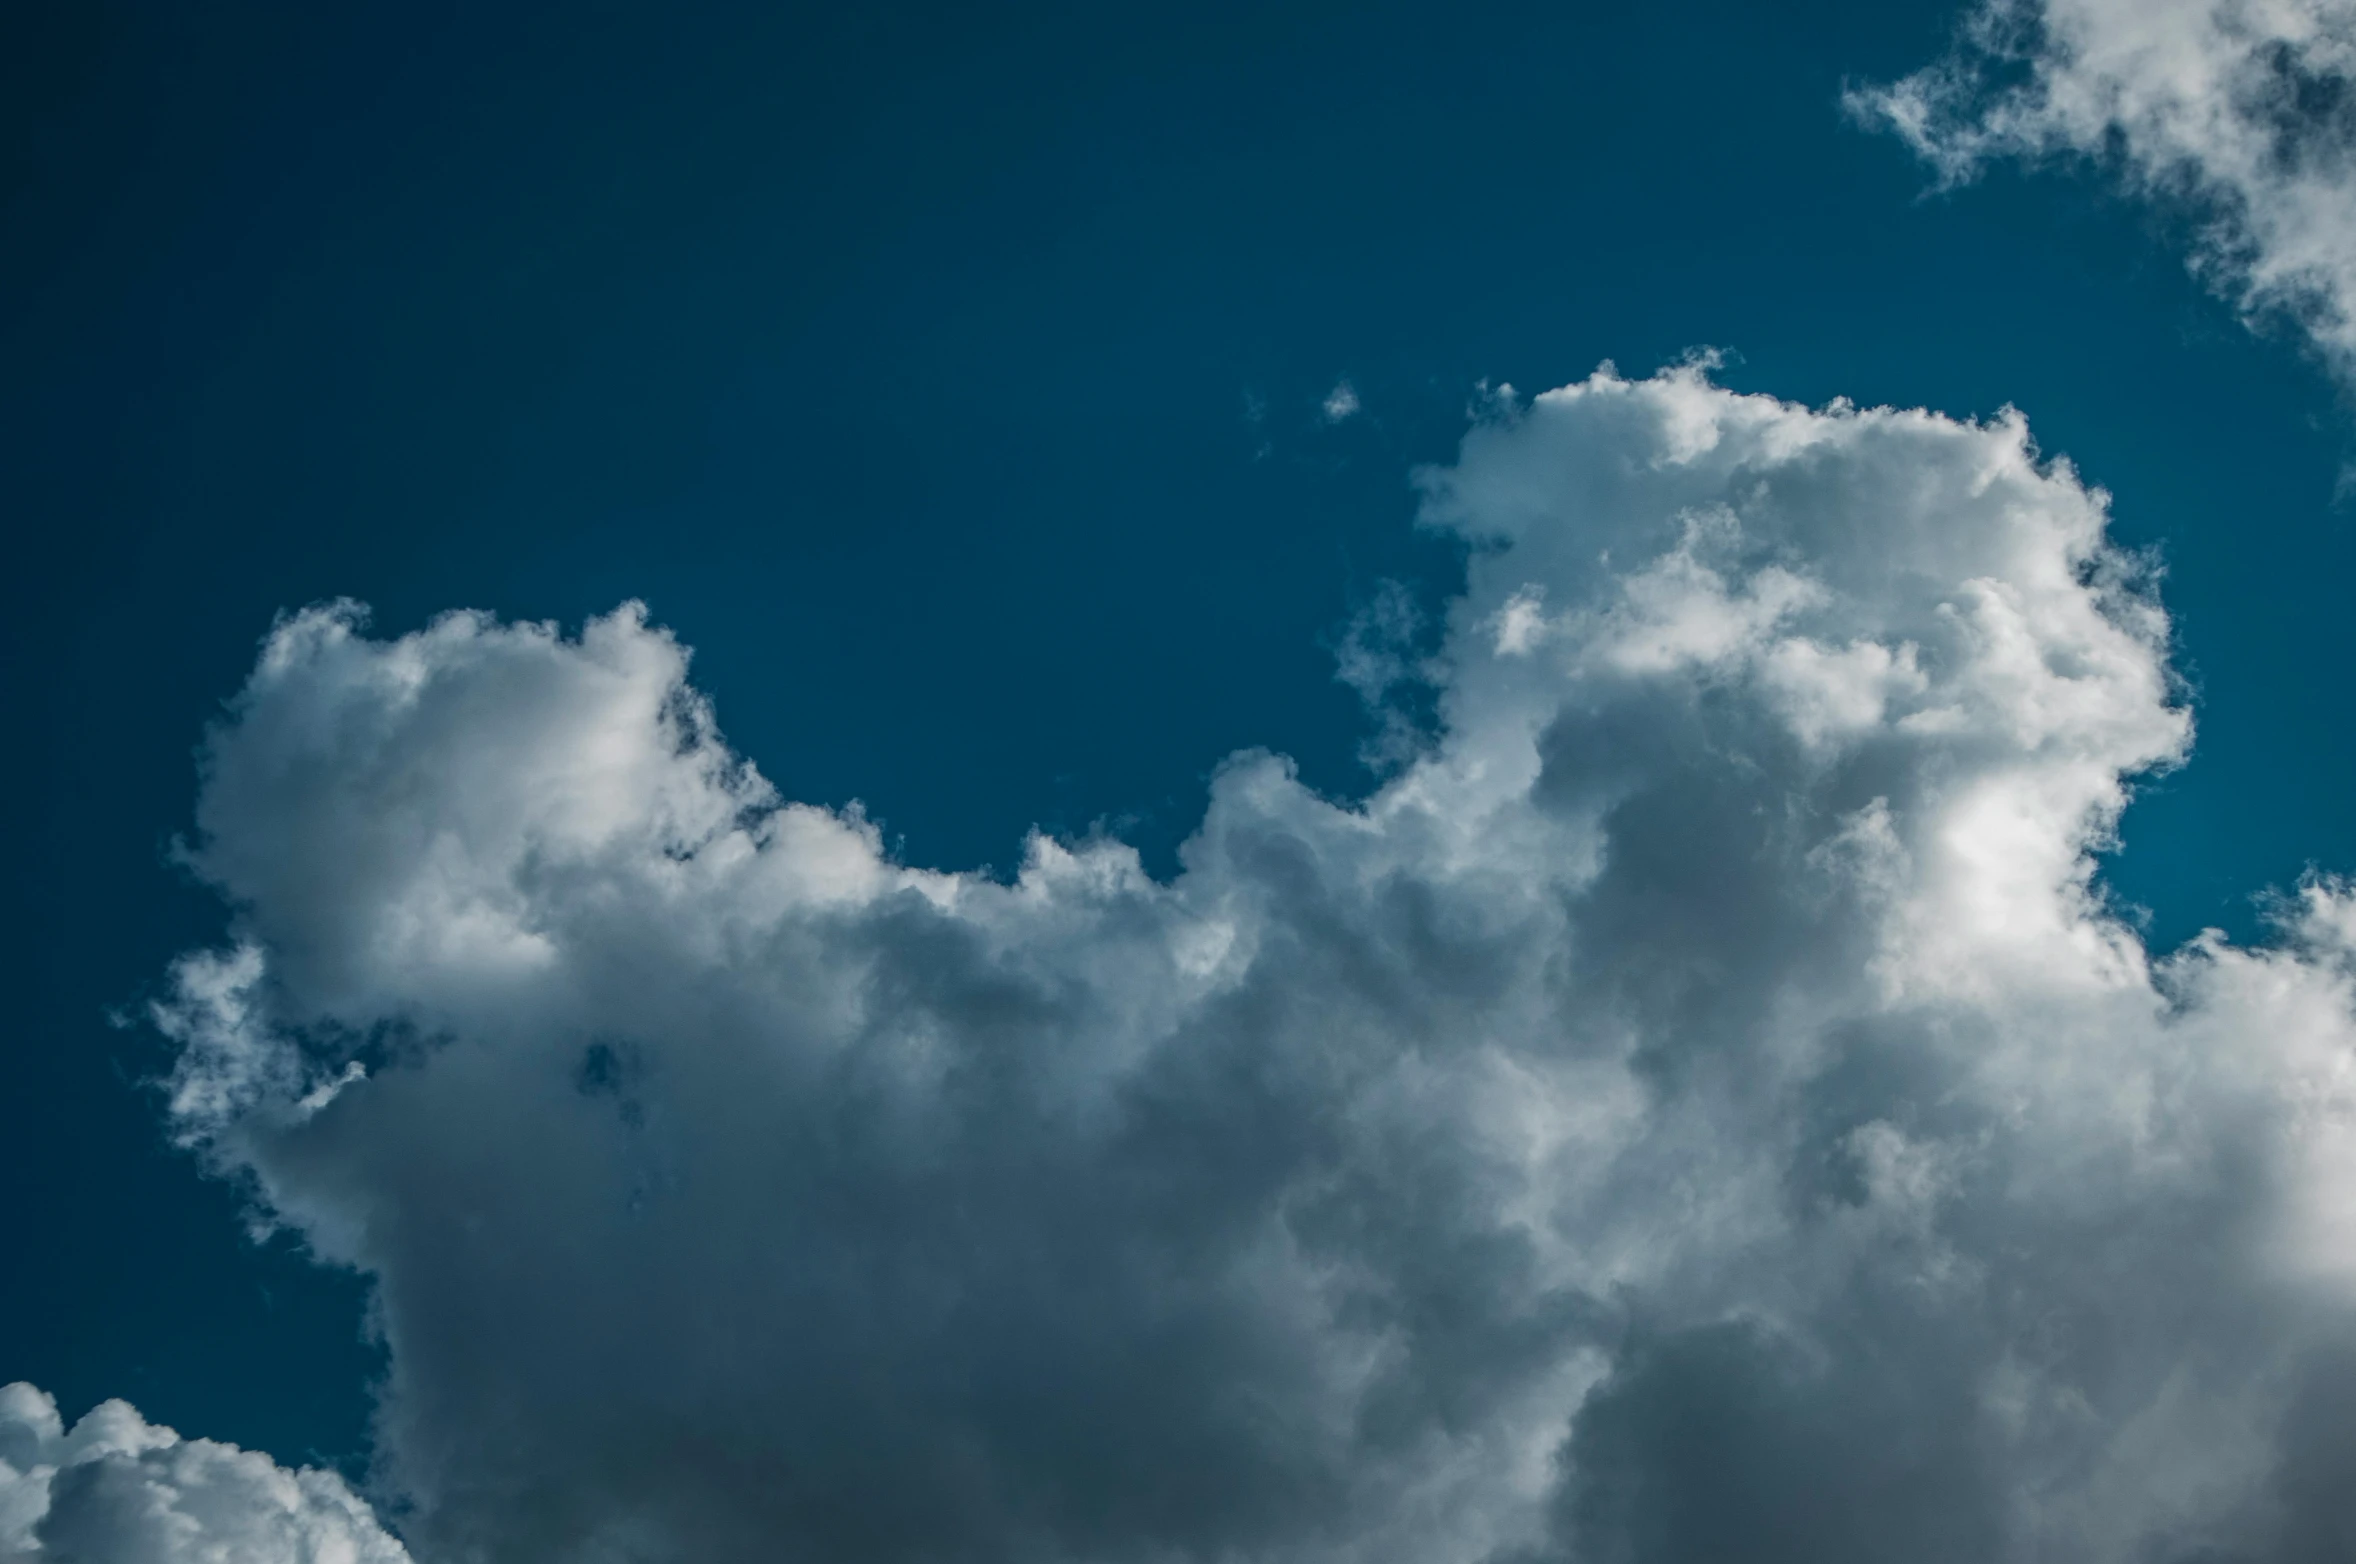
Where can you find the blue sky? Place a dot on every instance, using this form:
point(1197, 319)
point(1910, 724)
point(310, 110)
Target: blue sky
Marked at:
point(956, 386)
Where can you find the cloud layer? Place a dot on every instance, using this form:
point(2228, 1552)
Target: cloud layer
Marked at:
point(120, 1490)
point(1699, 1108)
point(2242, 108)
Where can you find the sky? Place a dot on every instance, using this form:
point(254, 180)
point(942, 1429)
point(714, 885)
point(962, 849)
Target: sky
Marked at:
point(1369, 851)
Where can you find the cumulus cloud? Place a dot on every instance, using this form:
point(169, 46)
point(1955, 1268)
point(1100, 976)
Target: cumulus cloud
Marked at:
point(1700, 1106)
point(2241, 109)
point(118, 1489)
point(1341, 402)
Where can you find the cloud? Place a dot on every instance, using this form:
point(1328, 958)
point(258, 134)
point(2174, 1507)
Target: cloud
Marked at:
point(1340, 403)
point(2240, 109)
point(120, 1490)
point(1700, 1105)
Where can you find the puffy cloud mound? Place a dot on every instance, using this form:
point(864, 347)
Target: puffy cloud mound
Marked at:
point(2246, 108)
point(120, 1490)
point(1701, 1107)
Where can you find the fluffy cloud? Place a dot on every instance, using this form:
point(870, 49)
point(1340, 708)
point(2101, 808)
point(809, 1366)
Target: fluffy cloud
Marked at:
point(2243, 108)
point(120, 1490)
point(1701, 1106)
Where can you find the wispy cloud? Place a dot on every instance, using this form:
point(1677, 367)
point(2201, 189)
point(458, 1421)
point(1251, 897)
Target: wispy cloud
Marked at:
point(2239, 111)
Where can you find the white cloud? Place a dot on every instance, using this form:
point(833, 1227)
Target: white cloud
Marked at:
point(117, 1489)
point(1341, 402)
point(2242, 108)
point(1699, 1107)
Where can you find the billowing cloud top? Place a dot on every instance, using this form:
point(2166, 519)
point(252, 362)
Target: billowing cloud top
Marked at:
point(1698, 1108)
point(120, 1490)
point(2242, 106)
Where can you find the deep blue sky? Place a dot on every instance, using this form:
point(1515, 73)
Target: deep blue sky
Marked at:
point(904, 361)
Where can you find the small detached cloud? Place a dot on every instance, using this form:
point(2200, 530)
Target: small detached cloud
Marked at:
point(2237, 109)
point(1700, 1106)
point(1340, 403)
point(118, 1489)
